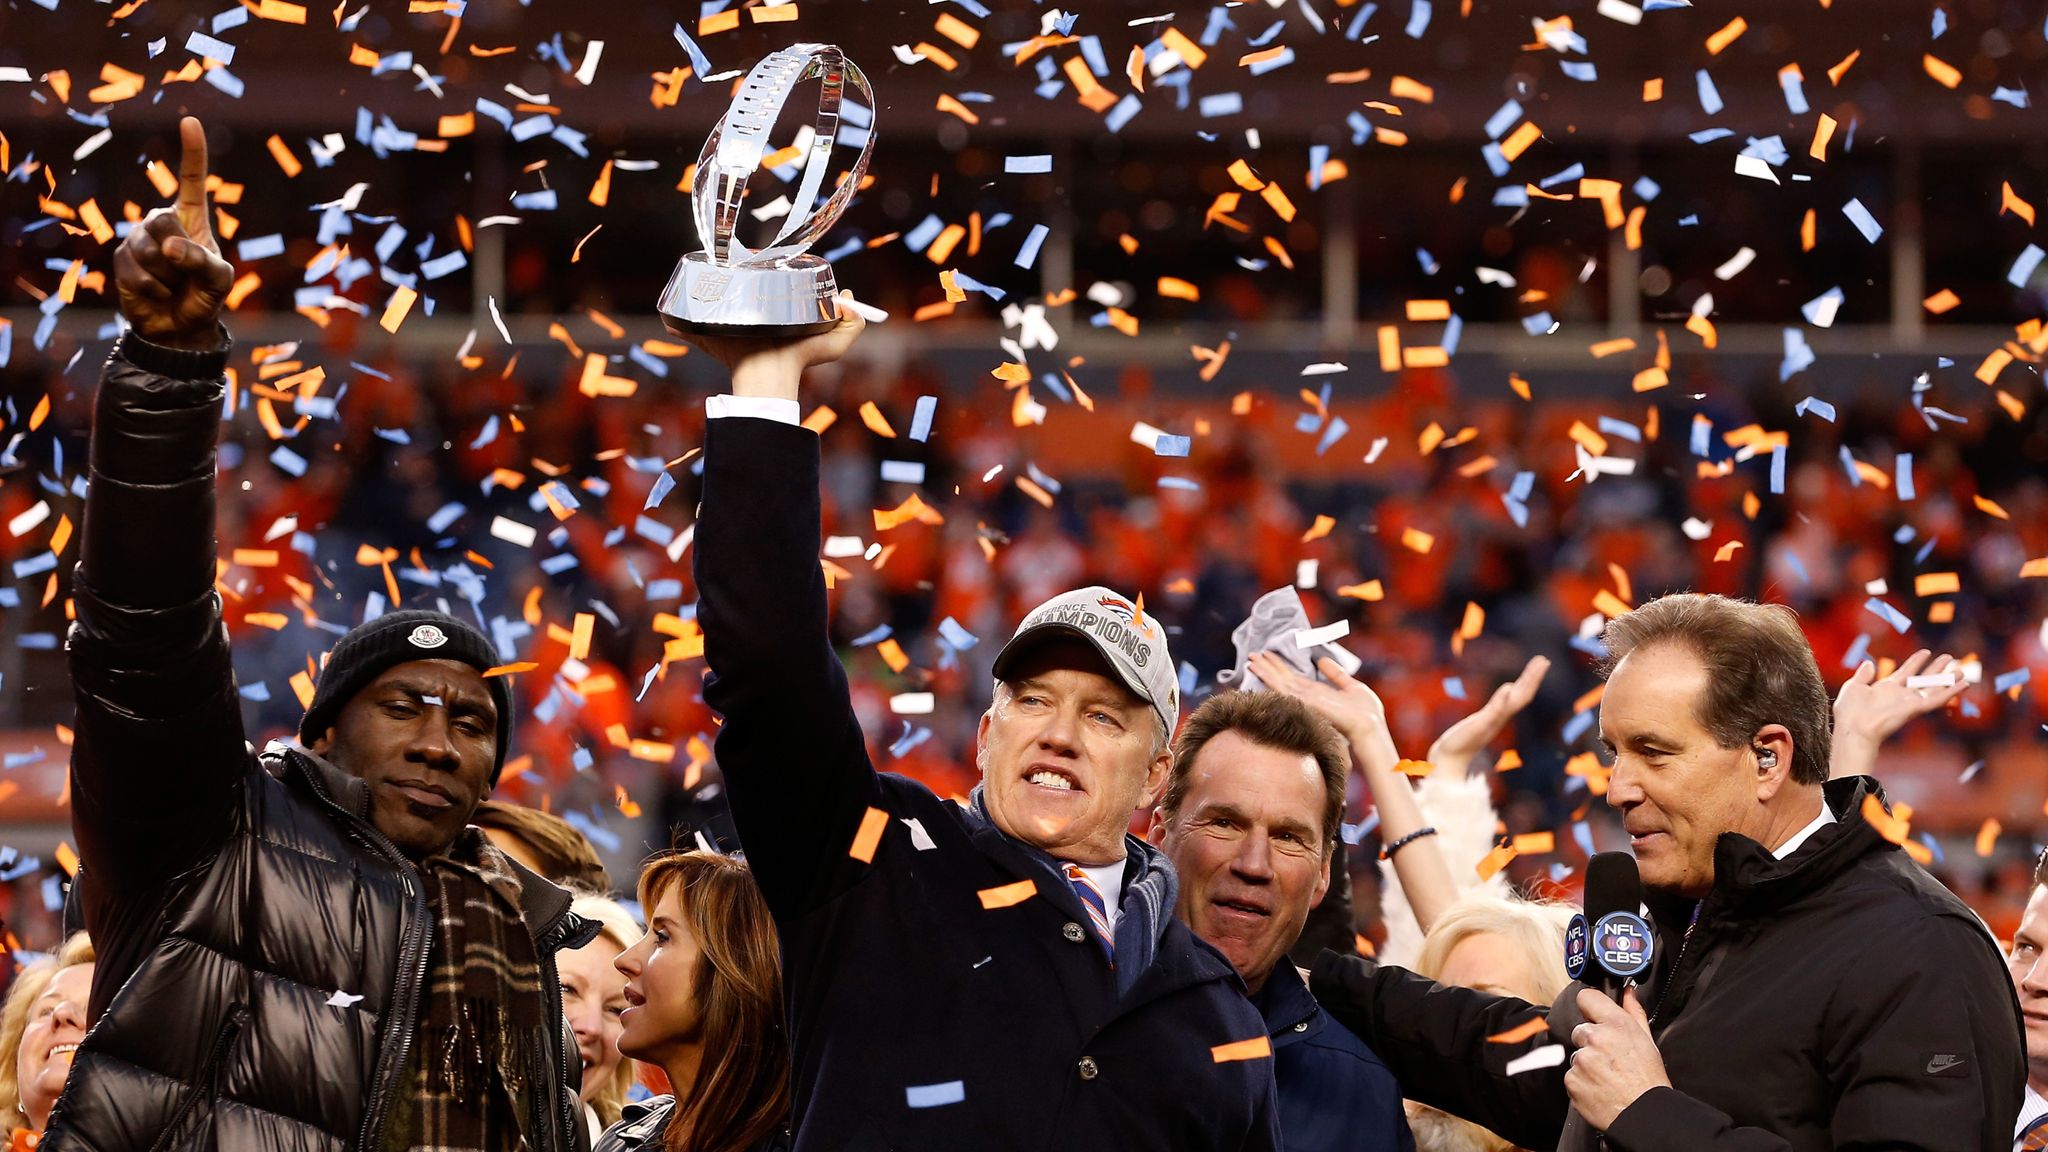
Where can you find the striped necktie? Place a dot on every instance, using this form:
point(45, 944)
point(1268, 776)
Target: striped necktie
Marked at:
point(1098, 908)
point(2034, 1138)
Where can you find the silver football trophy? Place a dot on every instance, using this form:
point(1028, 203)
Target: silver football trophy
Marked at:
point(781, 290)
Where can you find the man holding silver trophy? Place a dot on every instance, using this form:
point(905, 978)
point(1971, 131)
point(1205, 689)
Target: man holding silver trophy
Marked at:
point(1004, 974)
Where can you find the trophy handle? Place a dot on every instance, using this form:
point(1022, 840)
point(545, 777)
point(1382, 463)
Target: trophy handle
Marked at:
point(733, 151)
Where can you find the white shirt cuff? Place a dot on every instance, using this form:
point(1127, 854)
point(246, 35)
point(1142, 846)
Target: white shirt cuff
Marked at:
point(759, 407)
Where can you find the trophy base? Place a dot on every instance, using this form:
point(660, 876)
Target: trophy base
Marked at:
point(799, 298)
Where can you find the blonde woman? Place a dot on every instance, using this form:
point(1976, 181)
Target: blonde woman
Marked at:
point(594, 998)
point(1499, 944)
point(40, 1026)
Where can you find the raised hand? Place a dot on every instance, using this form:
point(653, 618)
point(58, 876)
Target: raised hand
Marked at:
point(1869, 711)
point(1454, 750)
point(168, 273)
point(1349, 705)
point(772, 368)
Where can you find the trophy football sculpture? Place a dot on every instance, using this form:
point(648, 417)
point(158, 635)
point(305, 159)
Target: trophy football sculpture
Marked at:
point(781, 290)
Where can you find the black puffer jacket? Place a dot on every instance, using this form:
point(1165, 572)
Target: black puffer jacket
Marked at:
point(260, 944)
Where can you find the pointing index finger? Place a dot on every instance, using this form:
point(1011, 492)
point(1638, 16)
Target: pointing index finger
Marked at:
point(191, 163)
point(192, 208)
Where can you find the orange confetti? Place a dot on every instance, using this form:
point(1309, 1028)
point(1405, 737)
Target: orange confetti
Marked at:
point(1534, 1026)
point(1370, 591)
point(1175, 288)
point(1936, 584)
point(1823, 132)
point(1428, 311)
point(1534, 843)
point(1256, 1048)
point(2034, 568)
point(1944, 73)
point(1941, 302)
point(1495, 861)
point(67, 859)
point(876, 422)
point(1415, 769)
point(1319, 529)
point(1005, 895)
point(1726, 36)
point(1519, 140)
point(958, 31)
point(2009, 201)
point(1175, 41)
point(780, 14)
point(1416, 540)
point(869, 837)
point(511, 669)
point(395, 311)
point(1653, 89)
point(1989, 508)
point(1987, 836)
point(718, 22)
point(892, 655)
point(1836, 73)
point(1403, 88)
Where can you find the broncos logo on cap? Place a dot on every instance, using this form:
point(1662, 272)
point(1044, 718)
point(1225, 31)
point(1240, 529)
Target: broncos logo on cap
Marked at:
point(1119, 607)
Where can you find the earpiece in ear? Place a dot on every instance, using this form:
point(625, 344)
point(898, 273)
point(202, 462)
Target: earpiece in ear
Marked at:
point(1767, 758)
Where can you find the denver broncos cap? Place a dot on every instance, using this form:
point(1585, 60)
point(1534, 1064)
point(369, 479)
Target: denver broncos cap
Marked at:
point(1132, 642)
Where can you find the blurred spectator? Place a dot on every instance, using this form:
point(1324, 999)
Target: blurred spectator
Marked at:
point(545, 843)
point(40, 1027)
point(594, 998)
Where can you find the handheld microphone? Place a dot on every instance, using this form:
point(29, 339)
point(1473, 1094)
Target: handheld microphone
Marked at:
point(1610, 943)
point(1606, 947)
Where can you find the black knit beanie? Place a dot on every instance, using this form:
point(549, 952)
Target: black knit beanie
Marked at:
point(398, 638)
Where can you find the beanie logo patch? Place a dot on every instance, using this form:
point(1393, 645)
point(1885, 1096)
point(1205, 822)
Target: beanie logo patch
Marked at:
point(427, 636)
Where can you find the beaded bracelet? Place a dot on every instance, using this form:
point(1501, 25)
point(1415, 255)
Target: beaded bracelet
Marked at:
point(1387, 853)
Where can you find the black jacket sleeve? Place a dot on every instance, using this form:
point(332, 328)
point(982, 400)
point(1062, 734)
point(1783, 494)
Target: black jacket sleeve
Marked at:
point(1923, 1045)
point(1452, 1048)
point(1330, 926)
point(796, 766)
point(159, 751)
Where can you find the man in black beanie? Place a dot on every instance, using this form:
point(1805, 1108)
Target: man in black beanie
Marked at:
point(311, 948)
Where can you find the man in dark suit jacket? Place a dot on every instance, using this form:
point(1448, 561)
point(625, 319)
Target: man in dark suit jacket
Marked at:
point(1004, 974)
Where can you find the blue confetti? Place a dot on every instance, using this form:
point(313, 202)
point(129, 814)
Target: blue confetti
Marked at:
point(288, 461)
point(1028, 254)
point(1903, 468)
point(260, 247)
point(1418, 20)
point(935, 1095)
point(1172, 445)
point(1863, 220)
point(921, 419)
point(698, 60)
point(2023, 268)
point(1221, 104)
point(1890, 615)
point(200, 44)
point(1710, 97)
point(1027, 164)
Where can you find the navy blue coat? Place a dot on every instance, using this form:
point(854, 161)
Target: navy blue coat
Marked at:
point(1335, 1095)
point(926, 1011)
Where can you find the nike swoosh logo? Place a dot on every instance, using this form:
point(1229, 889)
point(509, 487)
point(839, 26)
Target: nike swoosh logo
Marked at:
point(1942, 1064)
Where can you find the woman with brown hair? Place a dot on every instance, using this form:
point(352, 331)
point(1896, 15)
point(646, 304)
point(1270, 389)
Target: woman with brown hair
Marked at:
point(704, 1002)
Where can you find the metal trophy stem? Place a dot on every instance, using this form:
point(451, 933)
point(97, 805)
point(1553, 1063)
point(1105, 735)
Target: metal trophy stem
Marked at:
point(781, 290)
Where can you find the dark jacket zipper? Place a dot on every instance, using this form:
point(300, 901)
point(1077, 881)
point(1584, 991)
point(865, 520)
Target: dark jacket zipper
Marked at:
point(392, 1060)
point(209, 1072)
point(1678, 962)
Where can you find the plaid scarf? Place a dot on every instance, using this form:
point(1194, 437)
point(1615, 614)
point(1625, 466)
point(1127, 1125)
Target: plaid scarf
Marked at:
point(476, 1078)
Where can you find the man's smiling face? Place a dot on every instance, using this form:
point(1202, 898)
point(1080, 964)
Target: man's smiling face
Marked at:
point(1067, 753)
point(424, 737)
